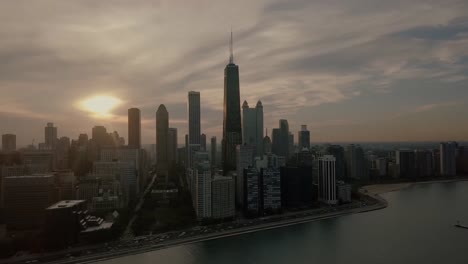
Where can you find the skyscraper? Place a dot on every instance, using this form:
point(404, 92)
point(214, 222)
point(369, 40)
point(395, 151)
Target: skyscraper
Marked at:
point(405, 161)
point(194, 126)
point(8, 142)
point(203, 142)
point(337, 151)
point(213, 151)
point(232, 131)
point(50, 136)
point(280, 139)
point(448, 151)
point(172, 145)
point(356, 164)
point(252, 127)
point(303, 137)
point(162, 131)
point(244, 158)
point(327, 180)
point(134, 128)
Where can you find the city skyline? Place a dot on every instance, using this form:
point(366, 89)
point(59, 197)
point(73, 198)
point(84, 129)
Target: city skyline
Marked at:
point(367, 75)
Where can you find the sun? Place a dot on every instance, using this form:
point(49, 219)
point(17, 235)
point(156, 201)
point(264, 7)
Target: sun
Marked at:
point(100, 106)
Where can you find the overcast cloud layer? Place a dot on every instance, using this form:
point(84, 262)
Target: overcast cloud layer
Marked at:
point(351, 70)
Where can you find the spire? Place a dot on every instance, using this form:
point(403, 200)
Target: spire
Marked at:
point(231, 55)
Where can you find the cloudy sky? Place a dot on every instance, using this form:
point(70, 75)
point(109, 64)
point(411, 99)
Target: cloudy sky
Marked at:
point(351, 70)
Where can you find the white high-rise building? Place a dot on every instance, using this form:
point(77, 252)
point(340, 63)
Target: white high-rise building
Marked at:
point(327, 180)
point(252, 126)
point(448, 151)
point(244, 158)
point(201, 191)
point(194, 126)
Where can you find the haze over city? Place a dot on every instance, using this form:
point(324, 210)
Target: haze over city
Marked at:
point(350, 70)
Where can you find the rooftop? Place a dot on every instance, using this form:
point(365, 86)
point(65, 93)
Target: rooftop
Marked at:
point(65, 204)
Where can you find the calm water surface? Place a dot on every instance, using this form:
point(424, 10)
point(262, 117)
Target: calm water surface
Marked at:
point(417, 227)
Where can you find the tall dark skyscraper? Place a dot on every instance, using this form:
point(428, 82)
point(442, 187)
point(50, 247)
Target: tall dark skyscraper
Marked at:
point(232, 131)
point(213, 151)
point(134, 128)
point(162, 131)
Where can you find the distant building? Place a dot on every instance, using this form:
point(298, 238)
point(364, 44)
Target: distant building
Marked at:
point(266, 145)
point(448, 151)
point(327, 180)
point(381, 166)
point(423, 163)
point(39, 161)
point(50, 133)
point(162, 131)
point(338, 152)
point(356, 163)
point(303, 137)
point(25, 198)
point(124, 172)
point(213, 151)
point(291, 144)
point(172, 145)
point(203, 142)
point(134, 128)
point(280, 139)
point(223, 197)
point(8, 142)
point(252, 127)
point(343, 191)
point(194, 126)
point(244, 158)
point(405, 161)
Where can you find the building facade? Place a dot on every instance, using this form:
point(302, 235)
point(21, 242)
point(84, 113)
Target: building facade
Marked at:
point(134, 128)
point(327, 180)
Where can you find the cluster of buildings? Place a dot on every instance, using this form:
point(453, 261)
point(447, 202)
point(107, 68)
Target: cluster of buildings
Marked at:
point(80, 178)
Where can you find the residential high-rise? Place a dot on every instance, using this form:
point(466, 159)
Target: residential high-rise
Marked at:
point(50, 136)
point(201, 190)
point(172, 145)
point(448, 151)
point(232, 131)
point(194, 125)
point(270, 190)
point(162, 131)
point(8, 142)
point(213, 151)
point(134, 128)
point(337, 151)
point(356, 164)
point(423, 163)
point(244, 158)
point(222, 197)
point(303, 138)
point(327, 180)
point(252, 127)
point(405, 161)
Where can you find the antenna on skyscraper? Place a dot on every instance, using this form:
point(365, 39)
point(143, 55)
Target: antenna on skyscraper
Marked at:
point(231, 55)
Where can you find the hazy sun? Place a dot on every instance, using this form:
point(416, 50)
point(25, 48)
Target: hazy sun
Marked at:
point(100, 106)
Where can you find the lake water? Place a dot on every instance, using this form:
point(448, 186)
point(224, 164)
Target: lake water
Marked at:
point(416, 227)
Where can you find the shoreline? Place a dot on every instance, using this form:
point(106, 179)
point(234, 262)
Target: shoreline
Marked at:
point(381, 188)
point(373, 191)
